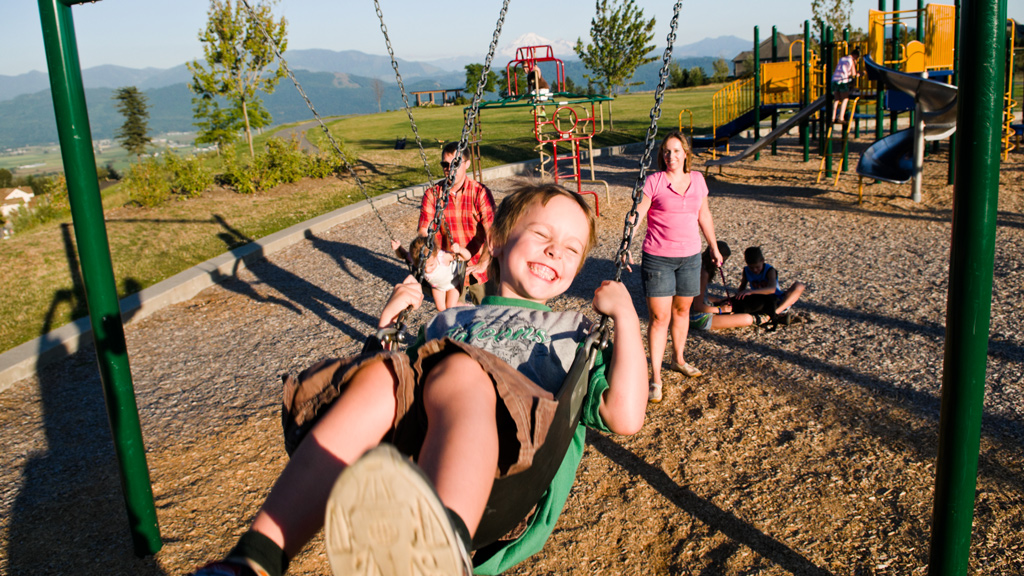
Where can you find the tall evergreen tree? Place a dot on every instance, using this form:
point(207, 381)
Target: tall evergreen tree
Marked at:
point(620, 45)
point(132, 134)
point(238, 57)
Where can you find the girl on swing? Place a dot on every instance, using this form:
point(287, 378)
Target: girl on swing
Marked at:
point(469, 402)
point(439, 270)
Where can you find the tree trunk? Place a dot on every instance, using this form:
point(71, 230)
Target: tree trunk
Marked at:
point(248, 130)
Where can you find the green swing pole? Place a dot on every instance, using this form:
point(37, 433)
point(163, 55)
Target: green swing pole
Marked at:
point(951, 167)
point(880, 100)
point(969, 301)
point(775, 113)
point(846, 130)
point(805, 137)
point(829, 104)
point(894, 116)
point(757, 89)
point(97, 269)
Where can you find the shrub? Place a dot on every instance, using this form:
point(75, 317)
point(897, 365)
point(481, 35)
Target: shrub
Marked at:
point(189, 176)
point(147, 183)
point(282, 162)
point(322, 165)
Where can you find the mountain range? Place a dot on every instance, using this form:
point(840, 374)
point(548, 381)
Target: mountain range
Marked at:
point(338, 82)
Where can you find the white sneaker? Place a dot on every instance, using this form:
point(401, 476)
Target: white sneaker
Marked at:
point(384, 518)
point(654, 392)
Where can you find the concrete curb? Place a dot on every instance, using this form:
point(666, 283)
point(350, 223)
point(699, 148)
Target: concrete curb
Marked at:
point(23, 361)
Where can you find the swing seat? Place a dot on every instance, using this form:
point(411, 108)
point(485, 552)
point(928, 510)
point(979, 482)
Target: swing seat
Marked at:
point(513, 497)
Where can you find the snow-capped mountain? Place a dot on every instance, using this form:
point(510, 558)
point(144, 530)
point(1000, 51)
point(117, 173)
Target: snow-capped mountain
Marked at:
point(563, 48)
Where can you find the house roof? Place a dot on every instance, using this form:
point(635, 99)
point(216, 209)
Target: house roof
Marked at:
point(15, 195)
point(766, 47)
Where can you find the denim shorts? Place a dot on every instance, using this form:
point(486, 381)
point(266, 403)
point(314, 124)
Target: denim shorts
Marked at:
point(666, 276)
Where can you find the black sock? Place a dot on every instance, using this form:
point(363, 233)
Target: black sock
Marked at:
point(261, 550)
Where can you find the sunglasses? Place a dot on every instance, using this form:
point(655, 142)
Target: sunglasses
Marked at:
point(445, 165)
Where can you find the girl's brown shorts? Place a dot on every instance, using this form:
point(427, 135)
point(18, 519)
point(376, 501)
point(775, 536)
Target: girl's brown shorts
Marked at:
point(524, 409)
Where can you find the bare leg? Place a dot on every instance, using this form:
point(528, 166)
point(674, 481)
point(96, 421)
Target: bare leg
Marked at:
point(724, 321)
point(680, 326)
point(659, 310)
point(842, 109)
point(357, 421)
point(789, 297)
point(440, 299)
point(451, 298)
point(460, 450)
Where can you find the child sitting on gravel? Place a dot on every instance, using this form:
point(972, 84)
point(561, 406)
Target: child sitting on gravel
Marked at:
point(763, 279)
point(434, 405)
point(440, 270)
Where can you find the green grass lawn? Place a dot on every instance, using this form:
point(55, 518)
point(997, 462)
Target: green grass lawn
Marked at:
point(152, 244)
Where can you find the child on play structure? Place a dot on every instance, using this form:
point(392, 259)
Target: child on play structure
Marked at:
point(842, 84)
point(469, 402)
point(439, 270)
point(763, 281)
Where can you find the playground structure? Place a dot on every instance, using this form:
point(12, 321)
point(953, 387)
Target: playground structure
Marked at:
point(563, 123)
point(800, 84)
point(966, 331)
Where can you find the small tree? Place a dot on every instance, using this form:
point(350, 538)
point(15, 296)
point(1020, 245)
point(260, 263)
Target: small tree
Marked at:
point(378, 92)
point(620, 38)
point(620, 45)
point(238, 57)
point(834, 13)
point(473, 73)
point(697, 77)
point(132, 105)
point(6, 178)
point(721, 68)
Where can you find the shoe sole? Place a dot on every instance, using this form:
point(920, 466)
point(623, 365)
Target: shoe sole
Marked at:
point(384, 518)
point(677, 368)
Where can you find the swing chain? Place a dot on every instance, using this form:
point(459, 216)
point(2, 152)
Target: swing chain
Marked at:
point(309, 103)
point(442, 198)
point(633, 217)
point(437, 222)
point(401, 86)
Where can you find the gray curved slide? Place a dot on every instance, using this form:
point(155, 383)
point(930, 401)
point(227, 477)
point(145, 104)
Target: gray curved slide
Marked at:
point(772, 136)
point(891, 158)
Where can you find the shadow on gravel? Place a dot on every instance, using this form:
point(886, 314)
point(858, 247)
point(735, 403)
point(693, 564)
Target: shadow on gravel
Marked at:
point(75, 480)
point(740, 532)
point(920, 437)
point(299, 293)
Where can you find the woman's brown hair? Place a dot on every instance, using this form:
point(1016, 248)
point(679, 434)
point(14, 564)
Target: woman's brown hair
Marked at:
point(686, 148)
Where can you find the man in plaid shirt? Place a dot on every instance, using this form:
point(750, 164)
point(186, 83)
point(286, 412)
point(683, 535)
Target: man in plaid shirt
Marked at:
point(468, 216)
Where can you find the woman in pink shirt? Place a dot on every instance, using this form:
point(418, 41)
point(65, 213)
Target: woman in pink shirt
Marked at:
point(675, 204)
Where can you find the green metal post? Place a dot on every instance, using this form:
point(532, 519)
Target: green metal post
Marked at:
point(805, 138)
point(775, 113)
point(829, 48)
point(969, 302)
point(97, 270)
point(920, 20)
point(879, 103)
point(757, 89)
point(846, 148)
point(951, 168)
point(894, 117)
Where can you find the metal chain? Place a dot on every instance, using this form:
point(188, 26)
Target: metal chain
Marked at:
point(442, 198)
point(309, 103)
point(633, 217)
point(401, 86)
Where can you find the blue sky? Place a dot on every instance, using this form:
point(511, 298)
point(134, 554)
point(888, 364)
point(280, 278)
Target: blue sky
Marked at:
point(162, 33)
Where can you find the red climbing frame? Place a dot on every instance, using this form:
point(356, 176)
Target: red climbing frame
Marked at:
point(536, 55)
point(566, 127)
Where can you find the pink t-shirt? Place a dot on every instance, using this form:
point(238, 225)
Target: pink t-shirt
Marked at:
point(672, 229)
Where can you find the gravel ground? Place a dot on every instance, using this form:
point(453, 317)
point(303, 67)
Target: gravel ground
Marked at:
point(809, 450)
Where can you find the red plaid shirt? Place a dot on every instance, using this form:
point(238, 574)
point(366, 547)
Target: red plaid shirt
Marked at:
point(469, 215)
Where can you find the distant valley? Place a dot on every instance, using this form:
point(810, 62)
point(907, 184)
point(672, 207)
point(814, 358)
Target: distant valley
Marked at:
point(338, 83)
